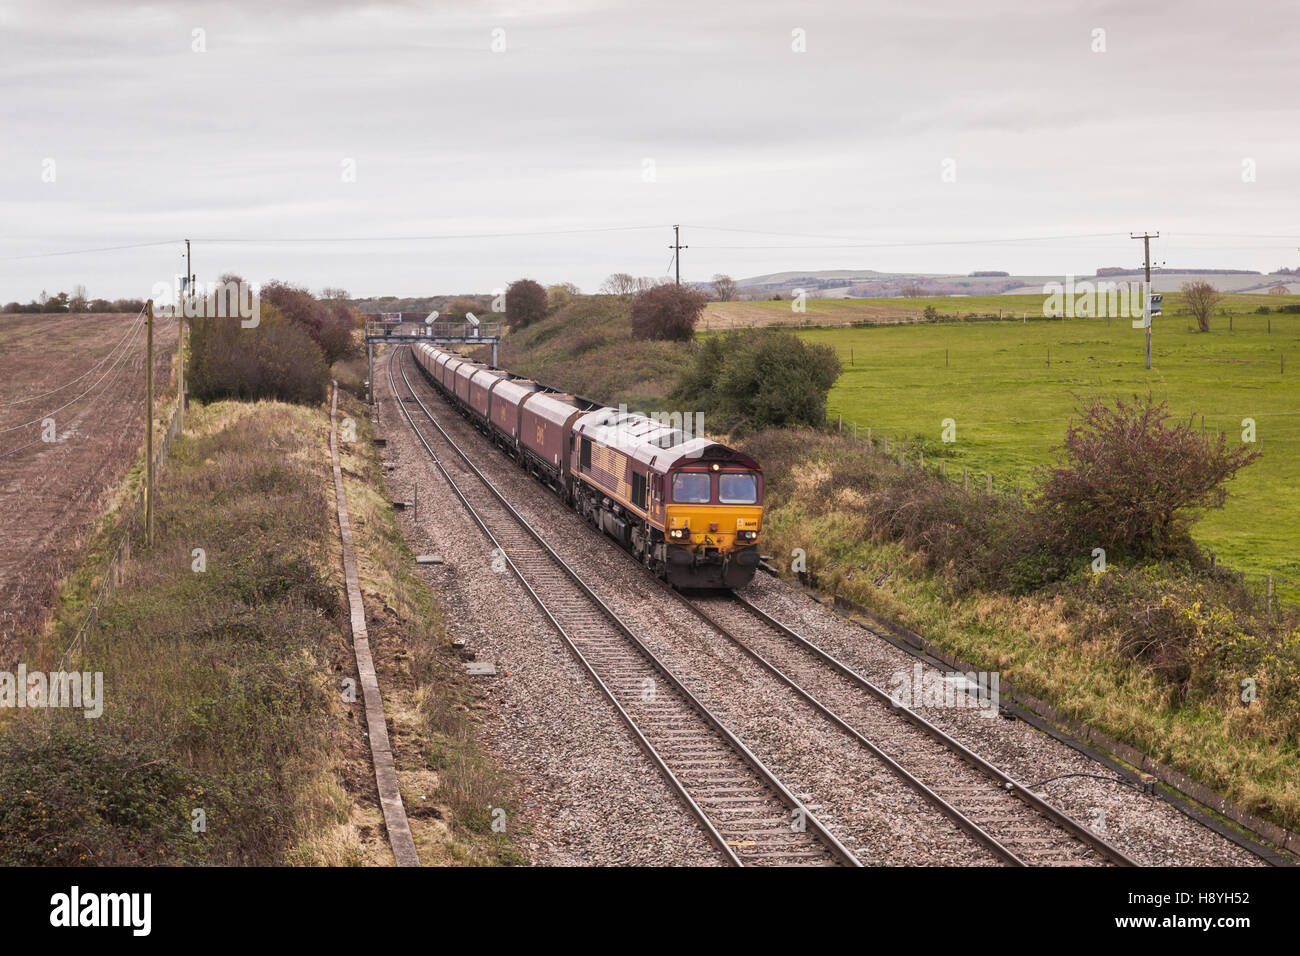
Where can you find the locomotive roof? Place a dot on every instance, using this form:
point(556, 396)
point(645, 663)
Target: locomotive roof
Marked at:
point(651, 442)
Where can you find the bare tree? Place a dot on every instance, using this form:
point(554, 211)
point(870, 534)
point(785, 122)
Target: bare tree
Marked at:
point(724, 287)
point(620, 283)
point(333, 294)
point(913, 290)
point(1201, 298)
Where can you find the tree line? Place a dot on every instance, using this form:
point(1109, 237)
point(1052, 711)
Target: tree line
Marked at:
point(75, 301)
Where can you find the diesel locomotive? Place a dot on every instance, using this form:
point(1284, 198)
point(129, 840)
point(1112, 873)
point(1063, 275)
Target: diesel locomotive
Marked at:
point(689, 508)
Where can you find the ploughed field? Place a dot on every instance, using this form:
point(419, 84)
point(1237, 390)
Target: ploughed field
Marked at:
point(78, 379)
point(1011, 407)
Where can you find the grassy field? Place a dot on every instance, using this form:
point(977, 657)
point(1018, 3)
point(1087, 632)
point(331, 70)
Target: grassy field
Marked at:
point(1011, 406)
point(832, 312)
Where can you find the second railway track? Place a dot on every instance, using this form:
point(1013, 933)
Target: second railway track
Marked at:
point(986, 803)
point(744, 809)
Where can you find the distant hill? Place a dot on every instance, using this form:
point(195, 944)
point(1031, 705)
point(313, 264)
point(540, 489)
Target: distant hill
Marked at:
point(871, 283)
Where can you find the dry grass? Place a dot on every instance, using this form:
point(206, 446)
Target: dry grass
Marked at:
point(1065, 644)
point(222, 687)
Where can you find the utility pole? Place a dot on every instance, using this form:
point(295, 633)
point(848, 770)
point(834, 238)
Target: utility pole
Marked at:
point(148, 425)
point(677, 248)
point(1146, 292)
point(180, 373)
point(180, 346)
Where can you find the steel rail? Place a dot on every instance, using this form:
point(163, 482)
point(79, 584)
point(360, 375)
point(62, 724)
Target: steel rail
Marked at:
point(837, 850)
point(1008, 783)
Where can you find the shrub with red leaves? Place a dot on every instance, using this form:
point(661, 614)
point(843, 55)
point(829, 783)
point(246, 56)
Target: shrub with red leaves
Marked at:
point(330, 324)
point(667, 312)
point(1132, 481)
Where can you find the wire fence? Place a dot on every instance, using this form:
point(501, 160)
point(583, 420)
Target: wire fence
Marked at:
point(127, 530)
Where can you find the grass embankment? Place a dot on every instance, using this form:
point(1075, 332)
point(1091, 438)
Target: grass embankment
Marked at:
point(587, 348)
point(225, 735)
point(1076, 645)
point(1011, 407)
point(1068, 645)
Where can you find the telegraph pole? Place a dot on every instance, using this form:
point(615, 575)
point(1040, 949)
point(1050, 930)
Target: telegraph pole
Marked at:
point(180, 345)
point(148, 424)
point(180, 374)
point(677, 248)
point(1146, 238)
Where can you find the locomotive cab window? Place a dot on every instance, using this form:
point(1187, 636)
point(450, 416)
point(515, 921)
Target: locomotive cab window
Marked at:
point(586, 453)
point(692, 488)
point(737, 489)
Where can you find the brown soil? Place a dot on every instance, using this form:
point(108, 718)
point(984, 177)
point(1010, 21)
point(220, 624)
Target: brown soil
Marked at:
point(52, 493)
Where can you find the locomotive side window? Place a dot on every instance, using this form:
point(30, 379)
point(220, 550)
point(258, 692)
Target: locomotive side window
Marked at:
point(737, 489)
point(586, 453)
point(638, 490)
point(692, 488)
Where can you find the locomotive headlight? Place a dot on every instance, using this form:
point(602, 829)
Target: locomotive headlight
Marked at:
point(746, 535)
point(679, 534)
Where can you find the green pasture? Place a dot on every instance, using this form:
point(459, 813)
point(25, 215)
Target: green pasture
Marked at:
point(1010, 387)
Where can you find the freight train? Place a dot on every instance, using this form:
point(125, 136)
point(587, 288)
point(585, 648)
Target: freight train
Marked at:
point(688, 508)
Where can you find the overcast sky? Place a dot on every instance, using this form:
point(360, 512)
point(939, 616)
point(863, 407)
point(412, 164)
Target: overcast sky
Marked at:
point(904, 136)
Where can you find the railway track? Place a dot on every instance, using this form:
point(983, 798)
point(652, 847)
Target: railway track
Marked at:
point(747, 812)
point(986, 803)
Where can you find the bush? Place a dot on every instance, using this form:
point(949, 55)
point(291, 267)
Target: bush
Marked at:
point(525, 303)
point(329, 324)
point(560, 295)
point(275, 359)
point(89, 799)
point(667, 313)
point(1133, 482)
point(761, 378)
point(1199, 631)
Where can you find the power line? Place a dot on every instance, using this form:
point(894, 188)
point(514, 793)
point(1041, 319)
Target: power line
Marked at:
point(82, 252)
point(118, 366)
point(429, 238)
point(41, 418)
point(107, 356)
point(854, 242)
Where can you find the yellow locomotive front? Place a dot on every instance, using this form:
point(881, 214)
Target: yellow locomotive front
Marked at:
point(713, 514)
